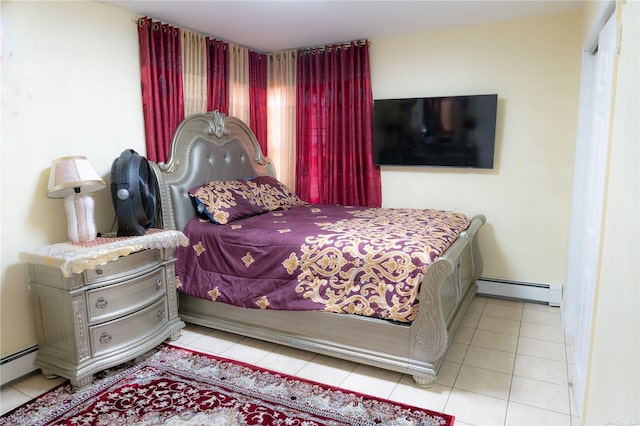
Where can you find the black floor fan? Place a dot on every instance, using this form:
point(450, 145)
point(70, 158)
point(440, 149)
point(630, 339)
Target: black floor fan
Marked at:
point(133, 190)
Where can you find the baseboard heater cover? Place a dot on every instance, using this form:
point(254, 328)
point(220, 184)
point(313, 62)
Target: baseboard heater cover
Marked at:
point(18, 364)
point(534, 292)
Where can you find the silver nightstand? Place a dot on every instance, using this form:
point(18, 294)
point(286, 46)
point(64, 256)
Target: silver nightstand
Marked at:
point(102, 303)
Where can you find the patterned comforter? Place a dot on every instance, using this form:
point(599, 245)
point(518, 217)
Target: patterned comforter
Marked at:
point(367, 261)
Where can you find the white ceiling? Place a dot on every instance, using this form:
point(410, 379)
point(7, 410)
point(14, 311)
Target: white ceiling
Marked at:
point(270, 26)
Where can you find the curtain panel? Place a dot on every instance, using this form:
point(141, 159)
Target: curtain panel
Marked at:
point(258, 98)
point(334, 137)
point(281, 115)
point(161, 78)
point(194, 72)
point(239, 83)
point(218, 76)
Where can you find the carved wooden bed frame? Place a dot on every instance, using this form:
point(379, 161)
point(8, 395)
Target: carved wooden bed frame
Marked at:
point(212, 146)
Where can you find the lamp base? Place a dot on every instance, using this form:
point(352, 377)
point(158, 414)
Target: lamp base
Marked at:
point(80, 218)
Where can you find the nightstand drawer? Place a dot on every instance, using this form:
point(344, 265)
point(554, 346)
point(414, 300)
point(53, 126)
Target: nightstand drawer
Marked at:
point(120, 299)
point(125, 266)
point(124, 331)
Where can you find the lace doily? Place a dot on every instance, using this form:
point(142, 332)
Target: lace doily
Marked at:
point(77, 257)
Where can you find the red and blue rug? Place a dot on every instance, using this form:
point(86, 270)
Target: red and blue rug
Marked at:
point(175, 386)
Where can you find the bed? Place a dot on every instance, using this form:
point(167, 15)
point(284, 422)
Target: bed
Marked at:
point(413, 339)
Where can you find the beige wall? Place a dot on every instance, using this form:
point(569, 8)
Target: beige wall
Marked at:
point(534, 67)
point(70, 86)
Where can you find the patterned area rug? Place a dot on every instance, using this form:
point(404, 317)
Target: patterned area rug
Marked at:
point(175, 386)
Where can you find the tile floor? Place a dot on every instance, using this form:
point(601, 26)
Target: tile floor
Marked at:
point(507, 366)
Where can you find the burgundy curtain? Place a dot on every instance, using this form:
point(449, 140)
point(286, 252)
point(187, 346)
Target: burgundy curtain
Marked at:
point(334, 136)
point(161, 75)
point(218, 76)
point(258, 97)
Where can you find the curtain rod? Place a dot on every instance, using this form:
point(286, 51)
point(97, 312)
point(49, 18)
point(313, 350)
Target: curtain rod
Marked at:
point(156, 25)
point(345, 45)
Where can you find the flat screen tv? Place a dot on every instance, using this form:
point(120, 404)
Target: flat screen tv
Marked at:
point(450, 131)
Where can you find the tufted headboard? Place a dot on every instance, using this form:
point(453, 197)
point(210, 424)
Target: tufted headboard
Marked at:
point(204, 148)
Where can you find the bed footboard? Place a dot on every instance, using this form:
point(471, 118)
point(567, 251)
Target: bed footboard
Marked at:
point(437, 322)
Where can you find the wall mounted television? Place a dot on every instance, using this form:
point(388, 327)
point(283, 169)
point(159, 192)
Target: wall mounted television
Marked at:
point(450, 131)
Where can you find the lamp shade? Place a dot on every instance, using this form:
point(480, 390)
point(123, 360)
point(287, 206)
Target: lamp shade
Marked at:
point(73, 175)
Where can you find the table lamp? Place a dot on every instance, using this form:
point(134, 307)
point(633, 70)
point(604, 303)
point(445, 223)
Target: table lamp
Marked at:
point(74, 178)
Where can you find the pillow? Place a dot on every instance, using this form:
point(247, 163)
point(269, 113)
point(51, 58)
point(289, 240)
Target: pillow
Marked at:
point(273, 194)
point(226, 201)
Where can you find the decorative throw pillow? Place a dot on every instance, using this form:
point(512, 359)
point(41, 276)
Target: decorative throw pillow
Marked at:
point(273, 194)
point(226, 201)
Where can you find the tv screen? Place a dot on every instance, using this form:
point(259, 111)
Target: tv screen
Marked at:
point(451, 131)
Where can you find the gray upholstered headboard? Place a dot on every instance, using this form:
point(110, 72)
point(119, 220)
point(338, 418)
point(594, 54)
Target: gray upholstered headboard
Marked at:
point(205, 147)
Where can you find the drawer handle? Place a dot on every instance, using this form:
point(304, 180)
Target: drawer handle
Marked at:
point(161, 312)
point(105, 337)
point(101, 303)
point(99, 271)
point(158, 283)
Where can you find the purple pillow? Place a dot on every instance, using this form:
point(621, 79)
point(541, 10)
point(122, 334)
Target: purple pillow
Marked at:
point(273, 194)
point(226, 201)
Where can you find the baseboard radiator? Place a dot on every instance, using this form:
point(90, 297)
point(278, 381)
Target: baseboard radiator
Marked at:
point(17, 365)
point(533, 292)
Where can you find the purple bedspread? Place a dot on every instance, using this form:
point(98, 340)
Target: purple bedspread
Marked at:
point(359, 260)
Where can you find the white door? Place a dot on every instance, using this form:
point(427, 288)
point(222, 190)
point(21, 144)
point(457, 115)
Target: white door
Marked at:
point(587, 204)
